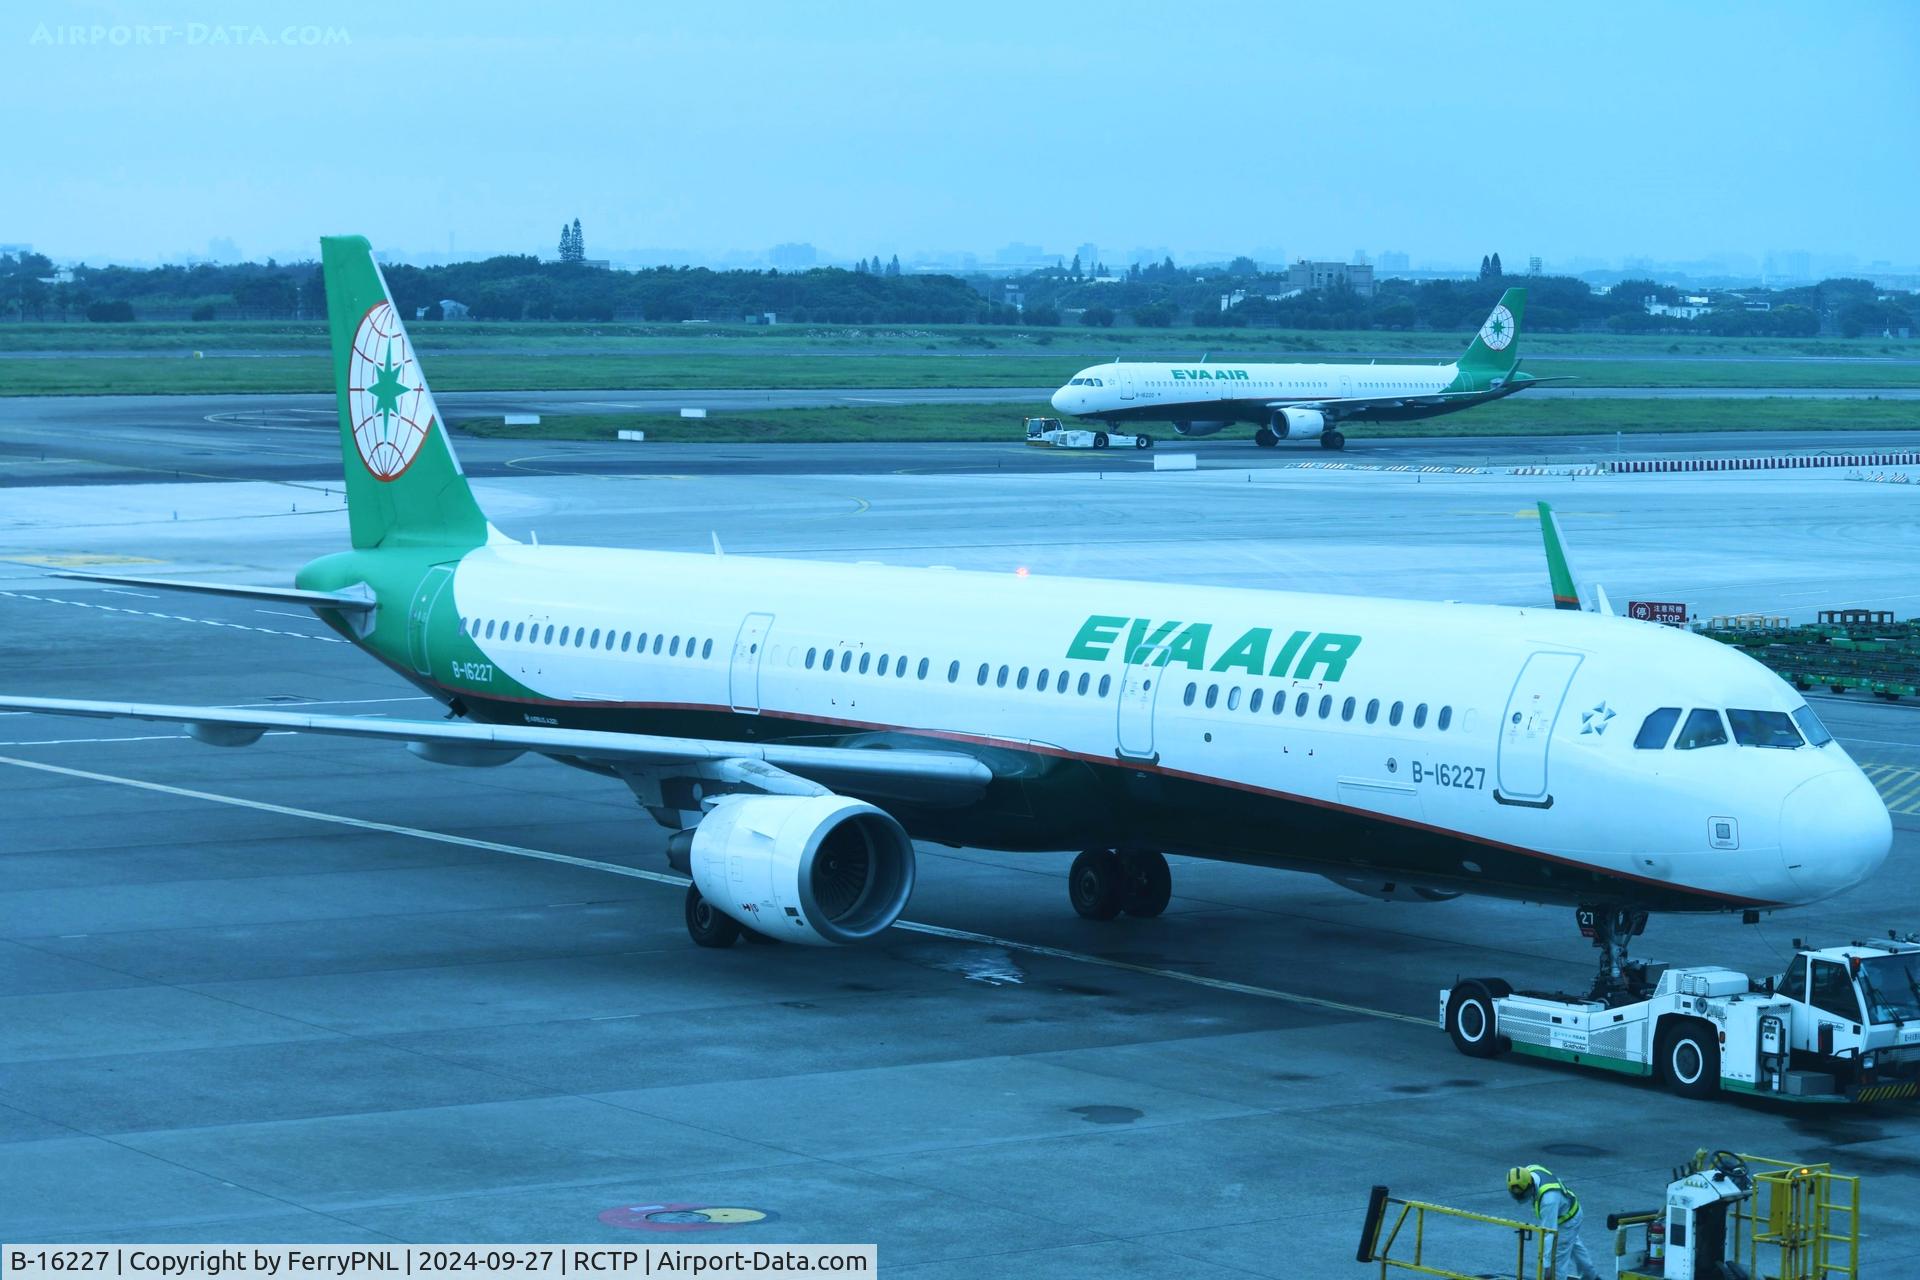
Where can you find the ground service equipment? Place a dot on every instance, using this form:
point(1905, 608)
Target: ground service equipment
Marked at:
point(1047, 432)
point(1842, 1024)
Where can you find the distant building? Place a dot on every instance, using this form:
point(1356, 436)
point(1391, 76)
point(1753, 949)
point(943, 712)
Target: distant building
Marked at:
point(451, 310)
point(1089, 255)
point(793, 257)
point(1533, 265)
point(1688, 308)
point(1357, 276)
point(1392, 260)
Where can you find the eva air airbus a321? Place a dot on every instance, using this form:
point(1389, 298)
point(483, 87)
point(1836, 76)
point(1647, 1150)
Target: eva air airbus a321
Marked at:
point(1305, 401)
point(798, 725)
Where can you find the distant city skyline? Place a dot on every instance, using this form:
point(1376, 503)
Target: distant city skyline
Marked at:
point(1637, 130)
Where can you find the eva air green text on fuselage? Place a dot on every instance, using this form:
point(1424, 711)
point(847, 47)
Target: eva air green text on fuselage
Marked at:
point(1303, 401)
point(1168, 644)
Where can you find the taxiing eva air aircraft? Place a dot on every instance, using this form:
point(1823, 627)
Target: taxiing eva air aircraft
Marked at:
point(1305, 401)
point(798, 725)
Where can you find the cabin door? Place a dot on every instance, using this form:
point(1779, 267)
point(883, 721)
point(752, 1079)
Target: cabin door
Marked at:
point(1526, 730)
point(743, 677)
point(1139, 691)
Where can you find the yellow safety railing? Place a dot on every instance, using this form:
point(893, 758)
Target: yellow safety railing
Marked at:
point(1803, 1218)
point(1393, 1223)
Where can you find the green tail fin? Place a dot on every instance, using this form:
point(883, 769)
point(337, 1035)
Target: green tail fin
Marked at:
point(404, 484)
point(1496, 348)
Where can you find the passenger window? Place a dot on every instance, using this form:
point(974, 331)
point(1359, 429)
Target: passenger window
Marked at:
point(640, 645)
point(563, 637)
point(1213, 695)
point(596, 639)
point(1000, 681)
point(659, 643)
point(579, 637)
point(1393, 716)
point(1833, 990)
point(1762, 728)
point(1326, 705)
point(1300, 705)
point(1187, 699)
point(548, 638)
point(921, 672)
point(626, 641)
point(1702, 729)
point(1233, 698)
point(1346, 709)
point(866, 660)
point(1255, 698)
point(673, 650)
point(885, 658)
point(1656, 729)
point(811, 654)
point(489, 629)
point(1083, 684)
point(1106, 682)
point(1020, 681)
point(982, 680)
point(1040, 681)
point(900, 666)
point(706, 649)
point(519, 630)
point(953, 671)
point(1061, 685)
point(1446, 718)
point(1420, 716)
point(846, 659)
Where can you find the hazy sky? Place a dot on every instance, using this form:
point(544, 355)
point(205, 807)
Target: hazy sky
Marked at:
point(1671, 130)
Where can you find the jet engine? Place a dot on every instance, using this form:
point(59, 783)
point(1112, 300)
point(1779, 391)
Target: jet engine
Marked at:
point(820, 870)
point(1200, 428)
point(1299, 424)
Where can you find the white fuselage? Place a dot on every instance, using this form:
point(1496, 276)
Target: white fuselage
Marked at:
point(1471, 747)
point(1172, 390)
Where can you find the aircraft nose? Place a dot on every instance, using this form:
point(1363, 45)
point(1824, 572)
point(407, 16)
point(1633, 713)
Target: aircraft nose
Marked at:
point(1834, 832)
point(1059, 401)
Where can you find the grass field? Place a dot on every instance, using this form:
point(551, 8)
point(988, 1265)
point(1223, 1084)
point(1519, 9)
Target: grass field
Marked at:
point(720, 367)
point(1002, 422)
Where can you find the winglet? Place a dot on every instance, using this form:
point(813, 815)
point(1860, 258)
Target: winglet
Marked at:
point(1566, 592)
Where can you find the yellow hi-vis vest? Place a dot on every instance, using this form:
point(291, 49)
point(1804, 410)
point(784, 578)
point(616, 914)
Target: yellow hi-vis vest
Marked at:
point(1543, 1182)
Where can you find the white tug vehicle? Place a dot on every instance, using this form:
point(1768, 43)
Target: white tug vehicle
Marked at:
point(1048, 433)
point(1841, 1025)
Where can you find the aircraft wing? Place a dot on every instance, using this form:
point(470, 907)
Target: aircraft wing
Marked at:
point(933, 776)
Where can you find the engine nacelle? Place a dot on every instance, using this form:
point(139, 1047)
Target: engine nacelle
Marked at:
point(820, 870)
point(1299, 424)
point(1200, 428)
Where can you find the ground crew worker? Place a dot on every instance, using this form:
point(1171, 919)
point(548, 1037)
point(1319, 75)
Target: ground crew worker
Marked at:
point(1554, 1206)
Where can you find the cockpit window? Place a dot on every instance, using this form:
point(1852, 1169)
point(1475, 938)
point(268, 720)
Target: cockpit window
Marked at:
point(1810, 725)
point(1657, 728)
point(1096, 382)
point(1702, 729)
point(1762, 728)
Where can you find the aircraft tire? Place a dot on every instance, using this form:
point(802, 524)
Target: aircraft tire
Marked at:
point(1471, 1021)
point(1143, 441)
point(1146, 883)
point(1265, 438)
point(1688, 1058)
point(1099, 439)
point(1333, 440)
point(707, 925)
point(1093, 884)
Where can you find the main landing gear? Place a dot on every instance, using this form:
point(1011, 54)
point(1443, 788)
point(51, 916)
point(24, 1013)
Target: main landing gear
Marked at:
point(1265, 437)
point(1612, 928)
point(1333, 440)
point(1104, 882)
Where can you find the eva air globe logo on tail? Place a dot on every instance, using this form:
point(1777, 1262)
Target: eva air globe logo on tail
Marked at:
point(388, 399)
point(1497, 332)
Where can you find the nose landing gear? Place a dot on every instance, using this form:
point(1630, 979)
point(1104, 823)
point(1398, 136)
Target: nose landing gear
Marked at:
point(1612, 928)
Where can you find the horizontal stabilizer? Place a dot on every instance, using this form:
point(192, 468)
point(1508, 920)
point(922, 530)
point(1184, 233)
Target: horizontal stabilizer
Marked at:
point(350, 601)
